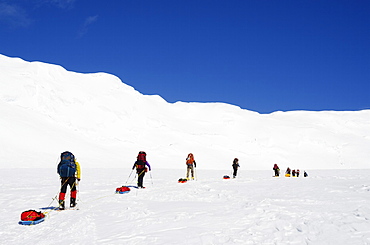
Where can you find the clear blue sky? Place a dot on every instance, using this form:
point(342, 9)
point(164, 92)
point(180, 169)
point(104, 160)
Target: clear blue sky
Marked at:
point(262, 55)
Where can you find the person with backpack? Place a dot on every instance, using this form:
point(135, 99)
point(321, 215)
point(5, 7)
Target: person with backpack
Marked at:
point(276, 169)
point(141, 168)
point(235, 166)
point(287, 172)
point(69, 171)
point(191, 164)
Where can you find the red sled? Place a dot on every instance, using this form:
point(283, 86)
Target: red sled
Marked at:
point(31, 217)
point(122, 190)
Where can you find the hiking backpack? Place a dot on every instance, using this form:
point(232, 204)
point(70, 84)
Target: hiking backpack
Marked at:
point(31, 215)
point(141, 166)
point(190, 159)
point(141, 161)
point(141, 157)
point(67, 165)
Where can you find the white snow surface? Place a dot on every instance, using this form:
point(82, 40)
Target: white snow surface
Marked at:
point(328, 207)
point(46, 110)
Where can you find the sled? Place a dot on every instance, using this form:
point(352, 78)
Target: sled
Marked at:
point(181, 180)
point(287, 175)
point(226, 177)
point(31, 222)
point(122, 190)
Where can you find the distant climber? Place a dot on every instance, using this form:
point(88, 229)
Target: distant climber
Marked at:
point(235, 167)
point(287, 172)
point(141, 168)
point(190, 165)
point(276, 169)
point(293, 173)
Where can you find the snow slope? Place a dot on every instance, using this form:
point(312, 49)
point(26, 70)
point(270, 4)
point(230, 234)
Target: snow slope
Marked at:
point(46, 110)
point(330, 207)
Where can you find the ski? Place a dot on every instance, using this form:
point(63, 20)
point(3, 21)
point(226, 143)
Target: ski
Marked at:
point(66, 209)
point(57, 208)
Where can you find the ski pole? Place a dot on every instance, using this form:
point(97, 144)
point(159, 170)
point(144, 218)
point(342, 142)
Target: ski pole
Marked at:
point(133, 178)
point(53, 199)
point(129, 176)
point(78, 191)
point(151, 178)
point(56, 196)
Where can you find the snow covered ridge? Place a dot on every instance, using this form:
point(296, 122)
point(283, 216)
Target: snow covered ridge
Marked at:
point(46, 110)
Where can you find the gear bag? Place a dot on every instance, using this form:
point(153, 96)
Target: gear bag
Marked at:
point(141, 161)
point(141, 157)
point(122, 189)
point(190, 159)
point(140, 165)
point(31, 215)
point(67, 165)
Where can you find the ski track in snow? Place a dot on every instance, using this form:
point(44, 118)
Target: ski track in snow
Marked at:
point(328, 207)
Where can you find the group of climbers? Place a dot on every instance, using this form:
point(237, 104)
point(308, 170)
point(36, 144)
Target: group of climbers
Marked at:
point(294, 173)
point(288, 172)
point(70, 173)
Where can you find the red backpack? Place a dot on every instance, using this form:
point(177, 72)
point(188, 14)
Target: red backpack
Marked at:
point(141, 160)
point(31, 215)
point(142, 156)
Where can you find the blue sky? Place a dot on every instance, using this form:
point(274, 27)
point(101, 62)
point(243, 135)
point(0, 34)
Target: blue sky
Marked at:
point(261, 55)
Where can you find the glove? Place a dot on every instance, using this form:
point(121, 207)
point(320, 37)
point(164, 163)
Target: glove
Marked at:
point(78, 180)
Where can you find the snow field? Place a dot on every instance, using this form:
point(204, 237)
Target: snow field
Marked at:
point(46, 109)
point(328, 207)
